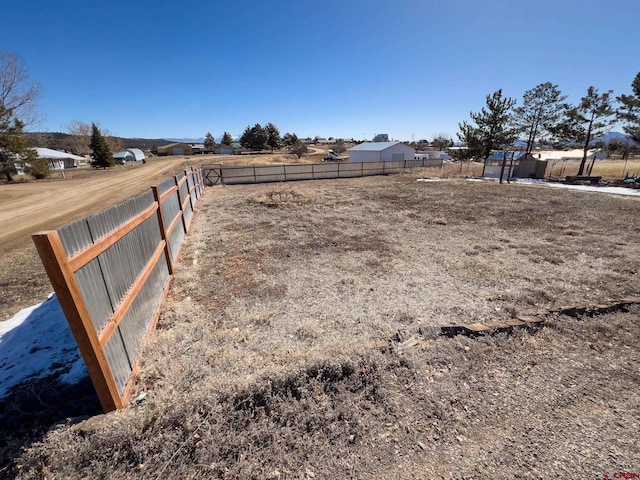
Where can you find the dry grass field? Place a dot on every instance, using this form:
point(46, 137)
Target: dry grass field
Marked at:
point(289, 346)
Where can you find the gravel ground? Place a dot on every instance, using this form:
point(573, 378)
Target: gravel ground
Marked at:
point(275, 354)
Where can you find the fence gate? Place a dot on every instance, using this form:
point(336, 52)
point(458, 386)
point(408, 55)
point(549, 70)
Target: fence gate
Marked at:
point(212, 175)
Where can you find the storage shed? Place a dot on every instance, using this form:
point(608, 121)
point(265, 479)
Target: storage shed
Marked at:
point(123, 156)
point(381, 151)
point(175, 149)
point(137, 154)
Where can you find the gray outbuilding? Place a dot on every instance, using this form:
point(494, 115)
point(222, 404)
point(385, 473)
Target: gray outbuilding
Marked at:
point(381, 151)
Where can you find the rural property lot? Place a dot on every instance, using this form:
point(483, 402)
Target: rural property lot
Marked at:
point(289, 345)
point(26, 208)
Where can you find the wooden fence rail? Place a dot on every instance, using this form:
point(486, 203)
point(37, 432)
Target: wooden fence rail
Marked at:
point(111, 271)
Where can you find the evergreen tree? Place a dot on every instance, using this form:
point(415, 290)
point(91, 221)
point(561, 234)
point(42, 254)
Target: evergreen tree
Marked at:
point(254, 138)
point(273, 136)
point(541, 109)
point(209, 142)
point(289, 139)
point(492, 129)
point(38, 167)
point(629, 111)
point(13, 147)
point(227, 139)
point(101, 153)
point(592, 118)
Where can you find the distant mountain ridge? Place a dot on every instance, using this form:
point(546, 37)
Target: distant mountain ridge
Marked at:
point(200, 139)
point(61, 141)
point(186, 140)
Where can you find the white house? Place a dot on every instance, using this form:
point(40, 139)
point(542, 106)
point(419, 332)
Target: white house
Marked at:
point(381, 151)
point(60, 160)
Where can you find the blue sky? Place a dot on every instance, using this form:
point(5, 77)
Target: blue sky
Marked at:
point(348, 68)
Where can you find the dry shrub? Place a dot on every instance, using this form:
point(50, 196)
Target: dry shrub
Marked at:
point(282, 197)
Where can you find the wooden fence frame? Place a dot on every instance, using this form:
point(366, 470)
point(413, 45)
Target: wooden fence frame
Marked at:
point(61, 271)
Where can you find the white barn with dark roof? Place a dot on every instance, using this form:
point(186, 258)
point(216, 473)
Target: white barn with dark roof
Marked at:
point(381, 151)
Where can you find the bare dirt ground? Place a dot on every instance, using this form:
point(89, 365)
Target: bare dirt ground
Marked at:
point(277, 352)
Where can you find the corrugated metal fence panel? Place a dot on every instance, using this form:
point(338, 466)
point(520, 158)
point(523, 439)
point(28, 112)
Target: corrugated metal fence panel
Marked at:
point(236, 175)
point(135, 323)
point(166, 185)
point(271, 173)
point(191, 183)
point(394, 166)
point(75, 237)
point(175, 240)
point(298, 172)
point(373, 168)
point(104, 281)
point(350, 170)
point(171, 211)
point(187, 212)
point(123, 262)
point(94, 291)
point(325, 170)
point(184, 195)
point(118, 361)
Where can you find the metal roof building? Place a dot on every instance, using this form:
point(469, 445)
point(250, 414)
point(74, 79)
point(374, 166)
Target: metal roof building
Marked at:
point(381, 151)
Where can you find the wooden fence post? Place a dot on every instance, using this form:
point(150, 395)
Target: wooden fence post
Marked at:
point(181, 202)
point(163, 229)
point(54, 260)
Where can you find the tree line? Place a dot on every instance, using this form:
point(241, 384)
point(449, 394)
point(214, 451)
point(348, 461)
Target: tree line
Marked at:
point(545, 117)
point(258, 138)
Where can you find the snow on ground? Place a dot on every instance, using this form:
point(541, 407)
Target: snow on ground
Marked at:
point(37, 343)
point(634, 192)
point(592, 188)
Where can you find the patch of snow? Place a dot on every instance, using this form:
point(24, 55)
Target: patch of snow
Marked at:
point(585, 188)
point(37, 343)
point(429, 179)
point(592, 188)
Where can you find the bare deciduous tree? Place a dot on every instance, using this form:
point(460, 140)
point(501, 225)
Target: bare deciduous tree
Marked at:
point(441, 141)
point(298, 149)
point(18, 93)
point(80, 137)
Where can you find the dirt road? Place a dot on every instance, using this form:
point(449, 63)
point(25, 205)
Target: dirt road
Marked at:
point(26, 208)
point(29, 207)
